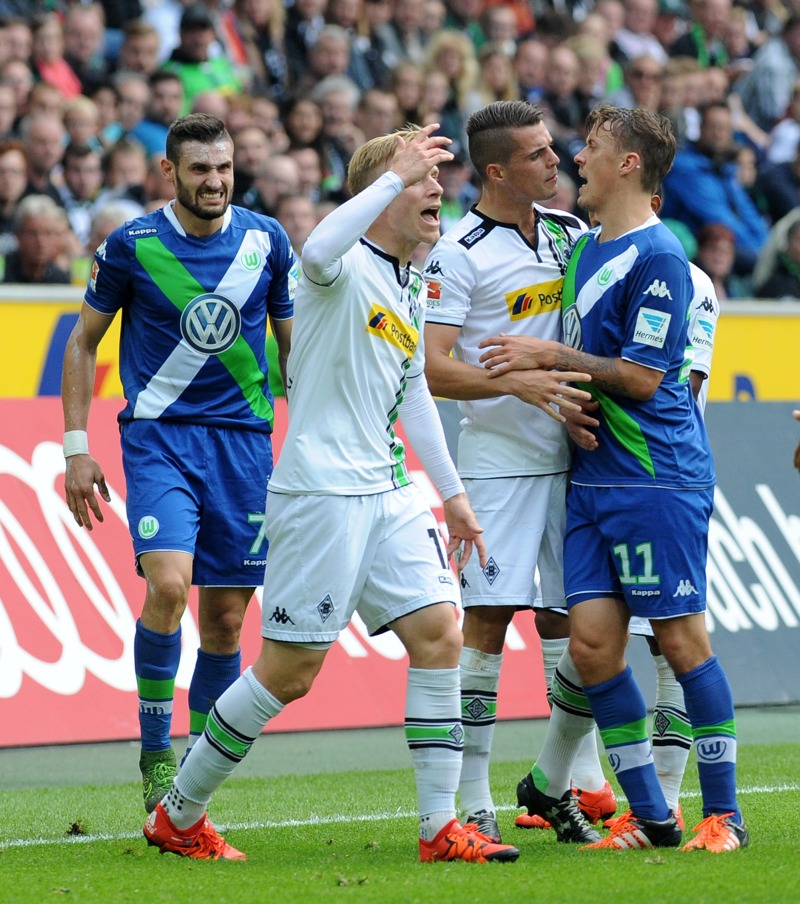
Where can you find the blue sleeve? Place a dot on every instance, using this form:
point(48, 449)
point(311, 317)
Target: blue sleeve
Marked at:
point(112, 271)
point(280, 297)
point(656, 320)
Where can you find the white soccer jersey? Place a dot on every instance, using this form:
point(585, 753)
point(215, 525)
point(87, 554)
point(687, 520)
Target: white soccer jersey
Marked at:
point(354, 345)
point(703, 315)
point(486, 278)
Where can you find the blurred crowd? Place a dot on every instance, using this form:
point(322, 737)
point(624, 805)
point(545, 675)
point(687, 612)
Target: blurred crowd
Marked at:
point(88, 90)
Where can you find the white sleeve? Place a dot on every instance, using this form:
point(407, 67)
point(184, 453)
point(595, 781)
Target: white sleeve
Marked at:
point(343, 227)
point(703, 315)
point(423, 429)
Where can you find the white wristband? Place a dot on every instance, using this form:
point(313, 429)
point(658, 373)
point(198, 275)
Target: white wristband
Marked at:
point(76, 442)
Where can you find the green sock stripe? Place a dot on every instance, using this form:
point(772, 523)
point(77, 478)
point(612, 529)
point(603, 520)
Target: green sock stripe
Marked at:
point(727, 728)
point(197, 722)
point(630, 733)
point(422, 735)
point(152, 689)
point(236, 747)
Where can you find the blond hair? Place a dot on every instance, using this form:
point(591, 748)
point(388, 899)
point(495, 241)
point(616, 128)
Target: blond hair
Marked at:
point(372, 159)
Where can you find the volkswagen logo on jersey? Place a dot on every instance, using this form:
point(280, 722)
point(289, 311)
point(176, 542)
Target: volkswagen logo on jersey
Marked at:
point(211, 323)
point(573, 336)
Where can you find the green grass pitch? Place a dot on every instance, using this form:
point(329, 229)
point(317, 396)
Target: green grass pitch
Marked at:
point(351, 837)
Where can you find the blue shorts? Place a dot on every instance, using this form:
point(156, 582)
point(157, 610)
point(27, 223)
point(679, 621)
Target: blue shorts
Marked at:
point(646, 545)
point(201, 490)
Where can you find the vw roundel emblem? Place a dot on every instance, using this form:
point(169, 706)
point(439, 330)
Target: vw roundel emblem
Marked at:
point(573, 334)
point(211, 323)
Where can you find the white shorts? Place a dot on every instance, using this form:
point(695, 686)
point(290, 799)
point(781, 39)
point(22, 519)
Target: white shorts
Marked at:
point(523, 521)
point(329, 556)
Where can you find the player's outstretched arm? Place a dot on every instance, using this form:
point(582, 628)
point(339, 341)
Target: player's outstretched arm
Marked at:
point(83, 473)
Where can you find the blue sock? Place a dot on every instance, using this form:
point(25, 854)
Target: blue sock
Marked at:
point(155, 658)
point(709, 704)
point(621, 715)
point(213, 674)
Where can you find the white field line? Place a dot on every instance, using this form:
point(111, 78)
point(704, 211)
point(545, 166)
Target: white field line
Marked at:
point(319, 821)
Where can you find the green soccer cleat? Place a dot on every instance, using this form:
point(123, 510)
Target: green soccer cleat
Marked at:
point(158, 768)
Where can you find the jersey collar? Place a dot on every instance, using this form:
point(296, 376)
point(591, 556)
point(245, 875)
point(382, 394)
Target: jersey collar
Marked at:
point(169, 213)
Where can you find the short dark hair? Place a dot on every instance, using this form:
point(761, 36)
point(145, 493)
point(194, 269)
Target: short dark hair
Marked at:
point(648, 134)
point(202, 127)
point(490, 131)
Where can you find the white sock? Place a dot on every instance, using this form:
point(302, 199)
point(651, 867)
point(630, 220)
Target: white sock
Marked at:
point(551, 654)
point(480, 677)
point(435, 739)
point(570, 722)
point(672, 733)
point(235, 721)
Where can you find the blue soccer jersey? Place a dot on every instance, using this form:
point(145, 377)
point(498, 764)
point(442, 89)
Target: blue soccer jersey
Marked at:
point(632, 302)
point(194, 315)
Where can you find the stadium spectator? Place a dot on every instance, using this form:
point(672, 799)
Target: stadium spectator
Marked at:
point(451, 53)
point(304, 21)
point(704, 39)
point(83, 178)
point(302, 120)
point(13, 179)
point(636, 37)
point(715, 255)
point(784, 137)
point(329, 55)
point(44, 137)
point(338, 97)
point(19, 37)
point(82, 122)
point(133, 91)
point(309, 165)
point(295, 211)
point(253, 35)
point(405, 83)
point(595, 28)
point(104, 221)
point(378, 113)
point(163, 108)
point(251, 150)
point(8, 110)
point(703, 187)
point(563, 108)
point(18, 74)
point(496, 77)
point(192, 60)
point(781, 280)
point(38, 228)
point(125, 174)
point(280, 175)
point(84, 44)
point(403, 36)
point(766, 90)
point(140, 48)
point(642, 86)
point(464, 16)
point(501, 27)
point(47, 55)
point(530, 65)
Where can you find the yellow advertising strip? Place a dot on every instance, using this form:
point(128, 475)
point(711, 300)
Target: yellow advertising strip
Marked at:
point(756, 350)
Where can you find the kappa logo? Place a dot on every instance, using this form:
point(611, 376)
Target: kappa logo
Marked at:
point(211, 323)
point(685, 588)
point(658, 289)
point(473, 236)
point(434, 268)
point(281, 616)
point(707, 305)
